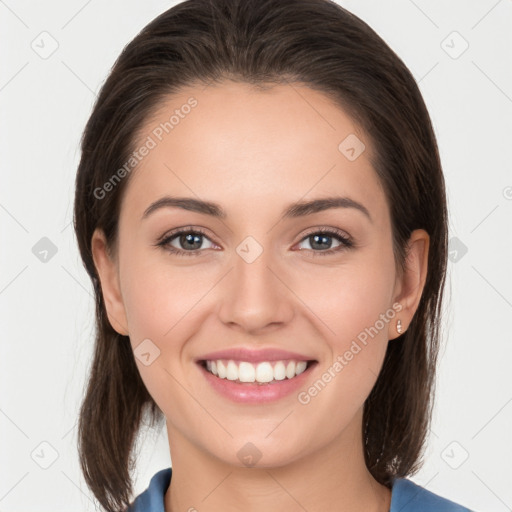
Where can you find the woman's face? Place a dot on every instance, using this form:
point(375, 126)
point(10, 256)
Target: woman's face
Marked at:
point(257, 278)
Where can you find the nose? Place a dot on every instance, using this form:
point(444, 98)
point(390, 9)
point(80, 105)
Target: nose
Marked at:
point(255, 297)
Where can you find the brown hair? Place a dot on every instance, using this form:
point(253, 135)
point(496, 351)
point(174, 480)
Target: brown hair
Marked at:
point(321, 45)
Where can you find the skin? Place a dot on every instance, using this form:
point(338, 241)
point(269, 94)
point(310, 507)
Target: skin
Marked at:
point(254, 153)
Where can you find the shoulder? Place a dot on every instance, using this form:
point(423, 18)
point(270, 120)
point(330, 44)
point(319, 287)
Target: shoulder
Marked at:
point(406, 496)
point(152, 499)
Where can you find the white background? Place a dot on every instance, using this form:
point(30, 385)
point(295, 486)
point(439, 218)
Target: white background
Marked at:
point(48, 310)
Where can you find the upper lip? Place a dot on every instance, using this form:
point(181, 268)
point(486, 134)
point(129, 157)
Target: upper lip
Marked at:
point(251, 355)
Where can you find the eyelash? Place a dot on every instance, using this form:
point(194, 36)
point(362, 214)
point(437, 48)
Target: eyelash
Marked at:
point(346, 242)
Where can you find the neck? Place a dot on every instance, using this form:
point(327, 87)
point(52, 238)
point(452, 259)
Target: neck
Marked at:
point(333, 478)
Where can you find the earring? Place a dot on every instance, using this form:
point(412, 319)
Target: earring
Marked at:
point(399, 326)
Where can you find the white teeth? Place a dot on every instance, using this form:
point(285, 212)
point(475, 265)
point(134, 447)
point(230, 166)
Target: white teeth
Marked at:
point(246, 372)
point(232, 371)
point(262, 372)
point(279, 371)
point(301, 366)
point(221, 369)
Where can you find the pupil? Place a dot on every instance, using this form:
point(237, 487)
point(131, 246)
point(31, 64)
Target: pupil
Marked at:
point(321, 238)
point(190, 239)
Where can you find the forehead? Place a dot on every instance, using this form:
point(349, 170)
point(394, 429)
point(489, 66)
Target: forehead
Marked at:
point(249, 148)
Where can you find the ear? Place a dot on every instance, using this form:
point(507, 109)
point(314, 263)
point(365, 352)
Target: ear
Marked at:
point(108, 273)
point(409, 286)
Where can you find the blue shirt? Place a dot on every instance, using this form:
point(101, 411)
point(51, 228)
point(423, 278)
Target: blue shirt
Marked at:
point(406, 496)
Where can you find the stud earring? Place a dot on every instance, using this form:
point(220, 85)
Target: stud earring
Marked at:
point(399, 326)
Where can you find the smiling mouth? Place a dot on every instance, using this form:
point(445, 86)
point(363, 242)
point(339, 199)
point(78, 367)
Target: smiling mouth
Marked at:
point(263, 372)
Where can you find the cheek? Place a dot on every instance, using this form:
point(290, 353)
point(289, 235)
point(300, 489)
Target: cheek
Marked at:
point(158, 296)
point(164, 304)
point(159, 302)
point(352, 311)
point(355, 315)
point(348, 299)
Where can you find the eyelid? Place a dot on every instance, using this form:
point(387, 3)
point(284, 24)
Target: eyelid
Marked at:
point(182, 229)
point(345, 240)
point(325, 229)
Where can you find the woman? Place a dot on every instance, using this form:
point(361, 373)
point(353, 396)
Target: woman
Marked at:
point(260, 205)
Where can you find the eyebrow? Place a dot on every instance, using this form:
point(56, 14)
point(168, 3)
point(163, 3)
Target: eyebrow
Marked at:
point(294, 210)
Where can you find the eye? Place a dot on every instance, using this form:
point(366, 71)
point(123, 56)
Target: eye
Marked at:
point(320, 239)
point(188, 241)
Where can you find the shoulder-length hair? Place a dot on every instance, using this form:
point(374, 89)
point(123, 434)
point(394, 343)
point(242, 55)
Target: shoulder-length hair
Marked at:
point(265, 42)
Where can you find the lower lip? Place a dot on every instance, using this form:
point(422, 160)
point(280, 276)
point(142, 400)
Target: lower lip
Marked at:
point(252, 392)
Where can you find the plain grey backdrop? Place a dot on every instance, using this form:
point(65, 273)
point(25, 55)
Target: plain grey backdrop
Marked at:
point(54, 57)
